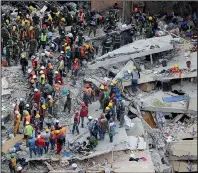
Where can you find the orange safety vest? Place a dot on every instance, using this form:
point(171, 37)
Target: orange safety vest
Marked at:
point(63, 131)
point(27, 119)
point(175, 70)
point(82, 51)
point(31, 35)
point(52, 135)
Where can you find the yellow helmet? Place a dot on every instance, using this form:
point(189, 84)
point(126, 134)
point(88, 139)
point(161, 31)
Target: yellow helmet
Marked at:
point(37, 116)
point(134, 68)
point(22, 56)
point(27, 21)
point(26, 113)
point(49, 18)
point(63, 19)
point(102, 87)
point(31, 28)
point(18, 17)
point(23, 23)
point(176, 65)
point(57, 14)
point(112, 84)
point(67, 48)
point(27, 15)
point(14, 27)
point(150, 18)
point(46, 130)
point(7, 21)
point(57, 131)
point(107, 108)
point(43, 106)
point(110, 104)
point(115, 82)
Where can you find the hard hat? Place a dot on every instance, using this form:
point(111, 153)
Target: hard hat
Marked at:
point(102, 115)
point(115, 82)
point(20, 99)
point(46, 130)
point(31, 28)
point(18, 17)
point(33, 57)
point(63, 19)
point(57, 131)
point(110, 104)
point(90, 117)
point(14, 27)
point(49, 18)
point(70, 35)
point(27, 105)
point(150, 18)
point(12, 155)
point(16, 112)
point(19, 168)
point(56, 72)
point(112, 84)
point(83, 104)
point(42, 54)
point(42, 68)
point(23, 23)
point(26, 113)
point(57, 121)
point(35, 90)
point(35, 105)
point(176, 65)
point(134, 68)
point(27, 15)
point(43, 106)
point(102, 87)
point(49, 96)
point(96, 119)
point(41, 72)
point(22, 56)
point(62, 52)
point(136, 10)
point(7, 21)
point(34, 77)
point(67, 48)
point(107, 108)
point(27, 123)
point(37, 116)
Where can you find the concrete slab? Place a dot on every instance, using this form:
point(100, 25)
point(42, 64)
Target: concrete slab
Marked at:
point(137, 129)
point(134, 50)
point(180, 166)
point(136, 143)
point(189, 132)
point(192, 109)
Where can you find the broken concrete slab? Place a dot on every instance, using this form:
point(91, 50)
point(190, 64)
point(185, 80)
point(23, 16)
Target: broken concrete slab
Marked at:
point(137, 128)
point(136, 143)
point(190, 132)
point(180, 166)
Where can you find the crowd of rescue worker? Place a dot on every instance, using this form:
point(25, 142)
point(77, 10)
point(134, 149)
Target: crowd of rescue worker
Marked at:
point(26, 35)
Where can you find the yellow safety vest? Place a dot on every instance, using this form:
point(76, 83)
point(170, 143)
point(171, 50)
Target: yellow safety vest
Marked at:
point(43, 37)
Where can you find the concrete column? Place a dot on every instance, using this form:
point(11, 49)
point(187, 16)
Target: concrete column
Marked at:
point(151, 58)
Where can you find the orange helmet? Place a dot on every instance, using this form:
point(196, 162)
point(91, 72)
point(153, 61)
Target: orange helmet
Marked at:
point(136, 10)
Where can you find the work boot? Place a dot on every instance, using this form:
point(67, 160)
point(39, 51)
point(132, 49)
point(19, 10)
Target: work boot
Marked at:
point(82, 125)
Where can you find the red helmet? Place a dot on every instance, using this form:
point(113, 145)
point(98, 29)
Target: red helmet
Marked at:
point(102, 115)
point(76, 59)
point(81, 11)
point(87, 85)
point(35, 105)
point(83, 104)
point(136, 10)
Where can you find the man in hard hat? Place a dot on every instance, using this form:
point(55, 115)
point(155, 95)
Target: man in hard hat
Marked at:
point(68, 104)
point(12, 163)
point(52, 138)
point(50, 75)
point(175, 69)
point(32, 46)
point(105, 98)
point(21, 107)
point(44, 39)
point(17, 122)
point(16, 52)
point(42, 113)
point(76, 122)
point(19, 169)
point(32, 146)
point(37, 96)
point(107, 42)
point(24, 64)
point(93, 25)
point(27, 117)
point(107, 113)
point(100, 97)
point(103, 126)
point(28, 131)
point(111, 129)
point(37, 124)
point(83, 113)
point(135, 76)
point(61, 26)
point(116, 40)
point(34, 112)
point(90, 124)
point(47, 140)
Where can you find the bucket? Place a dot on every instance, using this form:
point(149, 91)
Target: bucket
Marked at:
point(68, 153)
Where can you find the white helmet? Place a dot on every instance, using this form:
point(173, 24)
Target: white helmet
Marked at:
point(49, 96)
point(35, 90)
point(42, 54)
point(74, 165)
point(70, 35)
point(52, 45)
point(16, 112)
point(57, 121)
point(41, 72)
point(90, 117)
point(33, 57)
point(27, 105)
point(42, 68)
point(34, 77)
point(62, 52)
point(56, 72)
point(21, 99)
point(96, 119)
point(27, 123)
point(29, 70)
point(19, 168)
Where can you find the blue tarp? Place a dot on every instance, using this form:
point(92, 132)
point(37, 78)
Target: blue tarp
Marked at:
point(175, 98)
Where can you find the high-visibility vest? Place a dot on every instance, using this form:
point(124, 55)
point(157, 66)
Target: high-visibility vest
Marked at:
point(43, 37)
point(13, 162)
point(82, 51)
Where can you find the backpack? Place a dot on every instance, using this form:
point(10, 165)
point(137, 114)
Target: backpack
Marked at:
point(61, 139)
point(106, 95)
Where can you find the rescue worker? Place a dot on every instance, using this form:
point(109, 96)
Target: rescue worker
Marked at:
point(43, 40)
point(34, 112)
point(95, 129)
point(107, 113)
point(40, 143)
point(33, 47)
point(100, 97)
point(50, 74)
point(50, 104)
point(37, 96)
point(68, 104)
point(74, 31)
point(116, 41)
point(76, 122)
point(27, 118)
point(111, 128)
point(107, 44)
point(83, 113)
point(52, 138)
point(5, 35)
point(175, 69)
point(135, 76)
point(87, 94)
point(93, 25)
point(17, 122)
point(106, 98)
point(16, 52)
point(42, 115)
point(12, 163)
point(32, 146)
point(103, 126)
point(9, 51)
point(59, 142)
point(37, 124)
point(60, 66)
point(28, 131)
point(75, 67)
point(47, 140)
point(81, 18)
point(24, 64)
point(21, 107)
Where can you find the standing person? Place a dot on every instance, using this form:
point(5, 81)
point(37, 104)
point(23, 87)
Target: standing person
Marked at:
point(37, 124)
point(93, 25)
point(21, 107)
point(135, 76)
point(106, 98)
point(40, 142)
point(116, 41)
point(47, 140)
point(28, 131)
point(37, 96)
point(107, 44)
point(58, 143)
point(83, 113)
point(68, 104)
point(27, 118)
point(90, 124)
point(76, 122)
point(95, 129)
point(103, 125)
point(24, 64)
point(12, 163)
point(100, 97)
point(111, 129)
point(32, 146)
point(17, 122)
point(52, 138)
point(42, 115)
